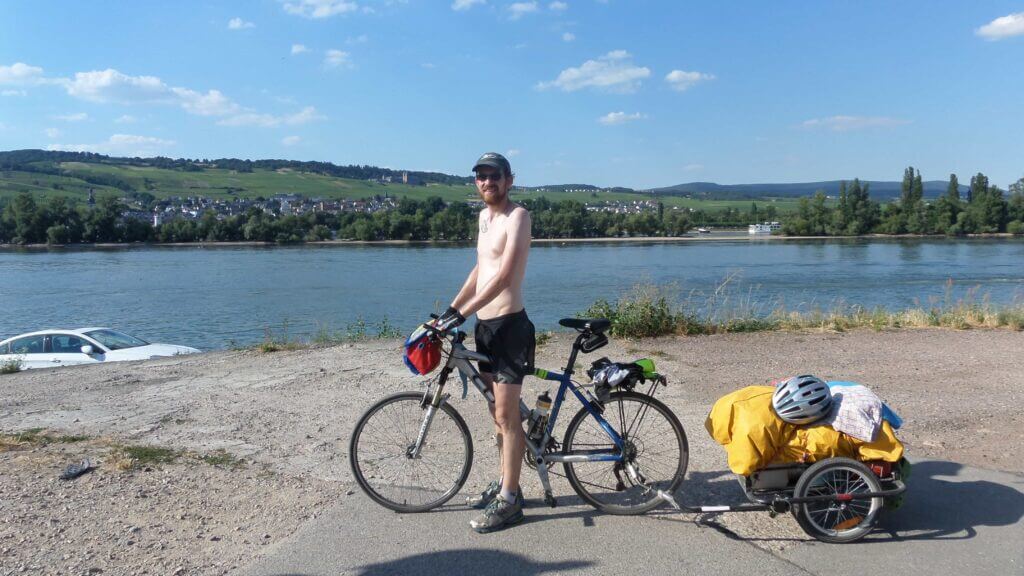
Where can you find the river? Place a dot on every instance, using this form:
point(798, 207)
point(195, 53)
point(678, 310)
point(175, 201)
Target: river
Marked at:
point(217, 296)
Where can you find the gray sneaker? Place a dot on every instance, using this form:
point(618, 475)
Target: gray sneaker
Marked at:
point(487, 496)
point(500, 513)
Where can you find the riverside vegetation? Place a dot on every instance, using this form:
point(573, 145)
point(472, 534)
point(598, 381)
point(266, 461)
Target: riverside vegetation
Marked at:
point(650, 310)
point(985, 210)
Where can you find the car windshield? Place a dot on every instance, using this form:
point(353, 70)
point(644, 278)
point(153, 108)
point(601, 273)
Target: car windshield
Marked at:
point(115, 340)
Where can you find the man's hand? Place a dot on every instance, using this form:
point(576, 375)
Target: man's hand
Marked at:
point(451, 318)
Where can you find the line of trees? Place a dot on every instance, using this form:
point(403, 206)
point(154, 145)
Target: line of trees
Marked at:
point(984, 210)
point(56, 221)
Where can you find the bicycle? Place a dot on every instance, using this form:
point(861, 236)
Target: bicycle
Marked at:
point(412, 451)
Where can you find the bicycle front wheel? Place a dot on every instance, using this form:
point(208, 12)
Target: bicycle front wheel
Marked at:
point(380, 453)
point(656, 448)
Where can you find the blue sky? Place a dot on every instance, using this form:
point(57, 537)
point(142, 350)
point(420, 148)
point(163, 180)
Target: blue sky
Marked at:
point(637, 93)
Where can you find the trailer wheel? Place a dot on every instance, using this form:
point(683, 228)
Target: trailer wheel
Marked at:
point(843, 519)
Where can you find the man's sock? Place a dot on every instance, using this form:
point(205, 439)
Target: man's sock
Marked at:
point(508, 496)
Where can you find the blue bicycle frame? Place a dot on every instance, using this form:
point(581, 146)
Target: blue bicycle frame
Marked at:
point(566, 384)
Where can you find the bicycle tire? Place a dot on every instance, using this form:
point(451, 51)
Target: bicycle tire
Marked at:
point(397, 420)
point(620, 496)
point(854, 519)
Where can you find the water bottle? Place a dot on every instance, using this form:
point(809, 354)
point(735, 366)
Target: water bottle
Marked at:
point(539, 416)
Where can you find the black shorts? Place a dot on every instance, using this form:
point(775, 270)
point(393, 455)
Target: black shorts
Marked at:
point(509, 341)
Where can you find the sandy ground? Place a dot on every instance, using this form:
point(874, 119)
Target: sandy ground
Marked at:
point(286, 418)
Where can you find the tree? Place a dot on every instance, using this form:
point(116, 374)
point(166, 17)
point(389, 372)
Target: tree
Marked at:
point(979, 185)
point(953, 191)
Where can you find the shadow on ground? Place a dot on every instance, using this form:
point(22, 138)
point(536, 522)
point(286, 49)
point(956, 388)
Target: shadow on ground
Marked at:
point(940, 506)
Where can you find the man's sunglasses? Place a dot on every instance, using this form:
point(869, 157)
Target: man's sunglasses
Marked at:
point(493, 176)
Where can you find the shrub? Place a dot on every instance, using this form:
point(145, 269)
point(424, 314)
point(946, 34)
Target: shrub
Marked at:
point(10, 366)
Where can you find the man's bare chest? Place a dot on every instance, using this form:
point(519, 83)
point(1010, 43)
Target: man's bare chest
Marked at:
point(491, 239)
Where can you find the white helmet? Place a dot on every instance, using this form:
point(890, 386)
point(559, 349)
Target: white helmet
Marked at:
point(802, 399)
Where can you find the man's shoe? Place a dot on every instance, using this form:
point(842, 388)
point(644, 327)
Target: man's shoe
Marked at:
point(500, 513)
point(487, 496)
point(480, 502)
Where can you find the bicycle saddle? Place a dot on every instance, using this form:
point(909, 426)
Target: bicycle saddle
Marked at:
point(595, 325)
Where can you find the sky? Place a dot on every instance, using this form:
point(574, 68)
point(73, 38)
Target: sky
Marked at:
point(635, 93)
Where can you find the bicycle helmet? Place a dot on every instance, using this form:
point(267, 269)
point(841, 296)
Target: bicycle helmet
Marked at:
point(422, 352)
point(802, 399)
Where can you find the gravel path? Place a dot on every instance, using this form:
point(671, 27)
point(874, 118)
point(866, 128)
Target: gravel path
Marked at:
point(286, 417)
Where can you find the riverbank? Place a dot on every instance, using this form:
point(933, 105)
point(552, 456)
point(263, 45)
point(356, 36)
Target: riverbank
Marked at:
point(717, 235)
point(259, 440)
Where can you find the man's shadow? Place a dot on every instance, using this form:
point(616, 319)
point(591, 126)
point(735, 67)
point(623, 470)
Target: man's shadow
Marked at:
point(468, 561)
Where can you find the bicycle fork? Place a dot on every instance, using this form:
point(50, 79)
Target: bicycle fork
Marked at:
point(432, 402)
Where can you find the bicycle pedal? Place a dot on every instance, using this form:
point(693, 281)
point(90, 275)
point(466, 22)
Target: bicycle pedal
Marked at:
point(550, 500)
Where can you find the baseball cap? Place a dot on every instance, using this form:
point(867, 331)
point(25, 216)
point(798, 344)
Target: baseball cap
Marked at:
point(494, 160)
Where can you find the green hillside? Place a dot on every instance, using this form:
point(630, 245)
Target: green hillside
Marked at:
point(116, 176)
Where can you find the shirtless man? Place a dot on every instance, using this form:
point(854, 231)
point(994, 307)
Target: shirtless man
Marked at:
point(494, 292)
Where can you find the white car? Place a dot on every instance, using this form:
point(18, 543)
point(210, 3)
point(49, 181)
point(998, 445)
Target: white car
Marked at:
point(50, 348)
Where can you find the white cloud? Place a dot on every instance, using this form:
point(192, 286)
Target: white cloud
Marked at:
point(693, 167)
point(558, 6)
point(336, 58)
point(428, 65)
point(239, 24)
point(512, 152)
point(681, 80)
point(111, 86)
point(568, 37)
point(52, 133)
point(13, 93)
point(848, 123)
point(76, 117)
point(613, 118)
point(1003, 27)
point(290, 140)
point(213, 103)
point(21, 74)
point(125, 119)
point(304, 116)
point(361, 39)
point(519, 9)
point(458, 5)
point(320, 8)
point(614, 71)
point(120, 145)
point(299, 49)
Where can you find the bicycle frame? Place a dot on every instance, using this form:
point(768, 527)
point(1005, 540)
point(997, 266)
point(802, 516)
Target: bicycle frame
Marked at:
point(461, 359)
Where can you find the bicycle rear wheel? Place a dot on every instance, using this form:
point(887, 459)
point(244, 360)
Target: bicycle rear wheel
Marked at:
point(655, 446)
point(380, 454)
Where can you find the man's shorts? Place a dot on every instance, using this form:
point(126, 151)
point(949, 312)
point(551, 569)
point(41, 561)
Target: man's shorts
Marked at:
point(509, 341)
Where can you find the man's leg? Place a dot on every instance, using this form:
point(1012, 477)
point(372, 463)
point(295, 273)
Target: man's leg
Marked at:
point(488, 379)
point(494, 487)
point(507, 417)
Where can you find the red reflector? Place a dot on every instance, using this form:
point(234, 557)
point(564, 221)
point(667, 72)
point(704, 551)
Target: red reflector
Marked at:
point(844, 497)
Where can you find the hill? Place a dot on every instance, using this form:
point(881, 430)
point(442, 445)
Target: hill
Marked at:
point(74, 174)
point(879, 190)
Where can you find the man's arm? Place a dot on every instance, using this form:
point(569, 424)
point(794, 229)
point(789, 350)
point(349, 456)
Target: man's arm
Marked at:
point(513, 257)
point(467, 291)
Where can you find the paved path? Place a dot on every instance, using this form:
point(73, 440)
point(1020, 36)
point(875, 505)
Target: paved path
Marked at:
point(957, 520)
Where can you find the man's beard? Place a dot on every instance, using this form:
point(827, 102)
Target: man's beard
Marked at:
point(496, 197)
